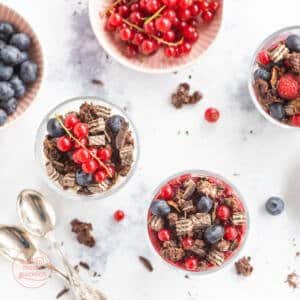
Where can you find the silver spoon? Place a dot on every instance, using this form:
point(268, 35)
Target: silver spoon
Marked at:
point(16, 245)
point(38, 218)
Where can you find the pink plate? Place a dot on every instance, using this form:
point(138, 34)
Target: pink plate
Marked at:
point(157, 63)
point(9, 15)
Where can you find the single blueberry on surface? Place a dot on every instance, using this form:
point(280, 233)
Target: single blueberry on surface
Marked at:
point(9, 106)
point(28, 71)
point(262, 74)
point(6, 91)
point(54, 128)
point(204, 204)
point(6, 30)
point(114, 123)
point(11, 55)
point(21, 41)
point(160, 208)
point(275, 206)
point(18, 86)
point(5, 72)
point(83, 179)
point(293, 42)
point(214, 234)
point(3, 117)
point(277, 111)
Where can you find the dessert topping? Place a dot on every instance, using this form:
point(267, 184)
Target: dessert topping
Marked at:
point(243, 266)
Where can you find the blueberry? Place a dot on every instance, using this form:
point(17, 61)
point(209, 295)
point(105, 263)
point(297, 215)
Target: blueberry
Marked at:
point(6, 91)
point(204, 204)
point(114, 123)
point(277, 111)
point(214, 234)
point(11, 55)
point(3, 117)
point(6, 30)
point(160, 208)
point(54, 128)
point(83, 179)
point(2, 44)
point(28, 71)
point(9, 106)
point(263, 74)
point(18, 86)
point(275, 206)
point(21, 41)
point(5, 72)
point(293, 42)
point(24, 57)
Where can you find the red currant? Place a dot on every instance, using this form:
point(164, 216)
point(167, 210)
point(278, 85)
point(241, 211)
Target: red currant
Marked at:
point(169, 14)
point(195, 10)
point(185, 3)
point(150, 28)
point(163, 24)
point(70, 121)
point(125, 34)
point(167, 192)
point(223, 212)
point(264, 58)
point(74, 158)
point(152, 6)
point(188, 31)
point(203, 5)
point(136, 17)
point(230, 233)
point(170, 52)
point(164, 235)
point(143, 4)
point(131, 51)
point(93, 151)
point(109, 27)
point(115, 19)
point(187, 243)
point(212, 115)
point(138, 38)
point(64, 144)
point(83, 141)
point(119, 215)
point(185, 48)
point(214, 6)
point(148, 47)
point(100, 176)
point(184, 14)
point(83, 155)
point(191, 263)
point(207, 16)
point(176, 22)
point(296, 120)
point(134, 7)
point(90, 167)
point(81, 130)
point(169, 36)
point(123, 10)
point(104, 154)
point(170, 3)
point(111, 171)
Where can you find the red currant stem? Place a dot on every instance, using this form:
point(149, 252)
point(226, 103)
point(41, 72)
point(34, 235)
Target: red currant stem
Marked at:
point(82, 145)
point(155, 15)
point(110, 7)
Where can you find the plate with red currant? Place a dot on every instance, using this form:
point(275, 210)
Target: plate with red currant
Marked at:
point(156, 36)
point(275, 78)
point(197, 221)
point(86, 148)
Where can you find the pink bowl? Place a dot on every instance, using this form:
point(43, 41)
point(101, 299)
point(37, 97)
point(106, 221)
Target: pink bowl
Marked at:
point(9, 15)
point(156, 63)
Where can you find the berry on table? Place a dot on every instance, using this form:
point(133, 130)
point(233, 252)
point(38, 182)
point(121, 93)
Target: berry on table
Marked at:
point(70, 121)
point(64, 144)
point(81, 130)
point(90, 167)
point(212, 115)
point(100, 176)
point(191, 263)
point(104, 154)
point(223, 212)
point(230, 233)
point(160, 208)
point(119, 215)
point(54, 128)
point(275, 206)
point(288, 87)
point(214, 234)
point(164, 235)
point(187, 243)
point(296, 120)
point(264, 58)
point(166, 192)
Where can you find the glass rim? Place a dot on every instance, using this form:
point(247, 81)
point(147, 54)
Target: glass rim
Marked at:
point(250, 81)
point(74, 195)
point(237, 192)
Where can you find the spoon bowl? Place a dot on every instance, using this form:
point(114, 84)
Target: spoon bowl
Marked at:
point(36, 214)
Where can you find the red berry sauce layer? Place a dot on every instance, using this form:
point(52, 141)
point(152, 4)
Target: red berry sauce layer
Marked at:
point(276, 80)
point(197, 222)
point(89, 150)
point(145, 26)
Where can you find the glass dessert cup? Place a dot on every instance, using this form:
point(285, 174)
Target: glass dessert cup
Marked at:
point(270, 41)
point(156, 243)
point(73, 105)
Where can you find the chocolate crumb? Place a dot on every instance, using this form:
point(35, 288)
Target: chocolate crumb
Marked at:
point(186, 276)
point(293, 280)
point(243, 266)
point(146, 262)
point(298, 253)
point(84, 265)
point(97, 81)
point(83, 231)
point(62, 292)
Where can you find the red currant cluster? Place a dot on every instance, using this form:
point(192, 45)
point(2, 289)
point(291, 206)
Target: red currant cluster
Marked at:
point(93, 160)
point(147, 25)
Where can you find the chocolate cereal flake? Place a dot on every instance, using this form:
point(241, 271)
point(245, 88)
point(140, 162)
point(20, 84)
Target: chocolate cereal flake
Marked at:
point(62, 292)
point(293, 280)
point(243, 266)
point(182, 96)
point(83, 231)
point(146, 262)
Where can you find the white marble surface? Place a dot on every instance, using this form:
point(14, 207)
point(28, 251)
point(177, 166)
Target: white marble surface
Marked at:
point(267, 160)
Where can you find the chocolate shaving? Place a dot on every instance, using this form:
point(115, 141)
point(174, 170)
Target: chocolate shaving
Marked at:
point(97, 81)
point(146, 263)
point(83, 231)
point(62, 292)
point(84, 265)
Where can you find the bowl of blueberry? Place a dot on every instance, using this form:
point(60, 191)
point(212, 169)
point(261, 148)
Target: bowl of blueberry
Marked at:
point(275, 78)
point(156, 36)
point(21, 65)
point(86, 148)
point(197, 221)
